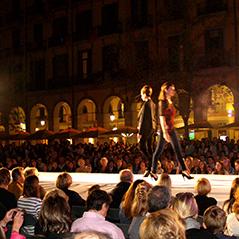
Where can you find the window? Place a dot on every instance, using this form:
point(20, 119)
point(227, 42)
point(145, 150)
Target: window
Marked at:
point(214, 40)
point(84, 110)
point(142, 55)
point(16, 8)
point(60, 27)
point(16, 42)
point(84, 63)
point(110, 18)
point(110, 56)
point(38, 69)
point(139, 12)
point(38, 32)
point(84, 25)
point(121, 110)
point(60, 68)
point(42, 113)
point(173, 53)
point(176, 9)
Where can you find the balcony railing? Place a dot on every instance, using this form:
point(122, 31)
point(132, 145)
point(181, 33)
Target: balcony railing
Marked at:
point(140, 22)
point(214, 59)
point(110, 29)
point(57, 41)
point(211, 9)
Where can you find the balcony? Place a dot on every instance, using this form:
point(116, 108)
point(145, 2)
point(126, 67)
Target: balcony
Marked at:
point(210, 9)
point(57, 41)
point(215, 59)
point(140, 22)
point(36, 45)
point(110, 29)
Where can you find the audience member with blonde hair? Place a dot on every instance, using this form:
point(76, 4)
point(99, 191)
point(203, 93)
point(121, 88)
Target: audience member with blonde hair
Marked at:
point(186, 207)
point(163, 224)
point(139, 209)
point(203, 188)
point(126, 204)
point(214, 220)
point(55, 215)
point(165, 180)
point(91, 235)
point(232, 220)
point(63, 182)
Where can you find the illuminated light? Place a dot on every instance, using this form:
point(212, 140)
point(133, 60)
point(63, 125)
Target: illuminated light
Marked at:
point(91, 140)
point(36, 129)
point(115, 139)
point(42, 122)
point(70, 140)
point(127, 134)
point(115, 128)
point(23, 126)
point(112, 117)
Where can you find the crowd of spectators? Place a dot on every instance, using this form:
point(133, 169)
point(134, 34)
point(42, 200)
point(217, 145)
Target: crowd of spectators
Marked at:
point(201, 157)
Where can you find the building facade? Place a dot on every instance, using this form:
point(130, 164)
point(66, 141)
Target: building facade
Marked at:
point(81, 63)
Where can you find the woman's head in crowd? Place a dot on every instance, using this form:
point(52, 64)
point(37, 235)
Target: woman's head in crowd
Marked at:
point(31, 187)
point(162, 224)
point(185, 205)
point(214, 219)
point(55, 214)
point(203, 187)
point(64, 181)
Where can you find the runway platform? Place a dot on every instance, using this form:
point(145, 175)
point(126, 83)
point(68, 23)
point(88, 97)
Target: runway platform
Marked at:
point(221, 184)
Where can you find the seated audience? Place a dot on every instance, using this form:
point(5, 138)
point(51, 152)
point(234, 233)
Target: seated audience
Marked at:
point(125, 215)
point(227, 206)
point(139, 209)
point(126, 178)
point(33, 171)
point(55, 215)
point(214, 220)
point(7, 199)
point(163, 224)
point(17, 217)
point(97, 205)
point(16, 186)
point(165, 180)
point(30, 202)
point(89, 235)
point(203, 188)
point(186, 207)
point(232, 221)
point(63, 182)
point(158, 197)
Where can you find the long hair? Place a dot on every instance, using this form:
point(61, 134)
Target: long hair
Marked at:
point(31, 187)
point(55, 215)
point(229, 202)
point(129, 197)
point(165, 86)
point(140, 204)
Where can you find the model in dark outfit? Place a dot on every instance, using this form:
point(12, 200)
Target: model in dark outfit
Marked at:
point(146, 124)
point(168, 134)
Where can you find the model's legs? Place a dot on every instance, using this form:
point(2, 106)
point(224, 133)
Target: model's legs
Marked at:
point(177, 148)
point(143, 145)
point(157, 153)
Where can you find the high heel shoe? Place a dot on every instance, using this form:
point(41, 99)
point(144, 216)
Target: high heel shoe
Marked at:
point(187, 175)
point(154, 176)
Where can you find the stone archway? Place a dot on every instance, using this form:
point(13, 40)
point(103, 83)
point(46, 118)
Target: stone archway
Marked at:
point(38, 118)
point(220, 109)
point(17, 120)
point(62, 116)
point(114, 112)
point(86, 114)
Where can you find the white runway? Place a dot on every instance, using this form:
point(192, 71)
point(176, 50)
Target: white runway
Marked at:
point(221, 184)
